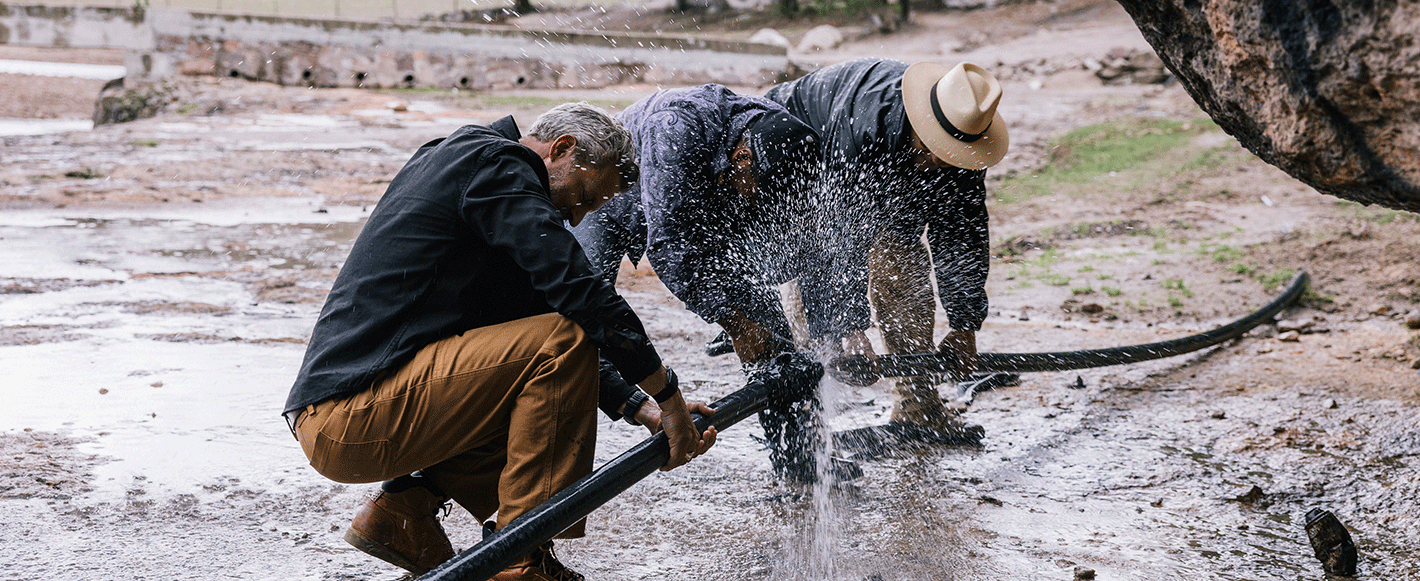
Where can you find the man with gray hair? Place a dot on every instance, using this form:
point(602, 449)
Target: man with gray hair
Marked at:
point(456, 356)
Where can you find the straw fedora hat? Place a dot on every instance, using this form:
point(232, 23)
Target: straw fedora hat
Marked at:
point(954, 113)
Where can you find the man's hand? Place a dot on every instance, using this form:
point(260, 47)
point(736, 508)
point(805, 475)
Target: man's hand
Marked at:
point(650, 415)
point(962, 344)
point(686, 441)
point(673, 417)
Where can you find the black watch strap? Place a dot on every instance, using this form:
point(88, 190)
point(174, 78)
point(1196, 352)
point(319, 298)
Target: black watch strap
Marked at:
point(633, 405)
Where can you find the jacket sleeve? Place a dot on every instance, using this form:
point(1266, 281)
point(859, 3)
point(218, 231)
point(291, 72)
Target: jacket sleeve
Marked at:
point(506, 204)
point(690, 237)
point(961, 250)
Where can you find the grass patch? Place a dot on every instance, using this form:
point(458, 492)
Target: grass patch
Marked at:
point(1176, 284)
point(87, 173)
point(1053, 279)
point(1244, 269)
point(1112, 291)
point(1223, 253)
point(1276, 279)
point(1376, 214)
point(1084, 159)
point(143, 143)
point(1082, 290)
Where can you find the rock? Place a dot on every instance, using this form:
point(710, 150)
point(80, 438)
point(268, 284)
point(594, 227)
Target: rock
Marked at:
point(1131, 68)
point(1412, 320)
point(120, 104)
point(1091, 308)
point(820, 37)
point(1304, 326)
point(1326, 91)
point(770, 36)
point(1084, 574)
point(1253, 496)
point(1379, 309)
point(1328, 404)
point(1290, 337)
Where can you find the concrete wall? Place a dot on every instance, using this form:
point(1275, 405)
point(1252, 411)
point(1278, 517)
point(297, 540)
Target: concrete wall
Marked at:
point(354, 53)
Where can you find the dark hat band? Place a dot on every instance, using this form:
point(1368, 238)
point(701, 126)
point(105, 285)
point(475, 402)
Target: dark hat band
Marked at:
point(952, 130)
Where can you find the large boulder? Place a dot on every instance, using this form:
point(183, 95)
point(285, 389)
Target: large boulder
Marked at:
point(1326, 90)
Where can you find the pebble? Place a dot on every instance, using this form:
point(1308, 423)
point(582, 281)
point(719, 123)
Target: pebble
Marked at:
point(1290, 337)
point(1084, 574)
point(1328, 403)
point(1413, 320)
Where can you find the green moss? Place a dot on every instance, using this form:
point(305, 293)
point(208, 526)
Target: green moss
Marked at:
point(1118, 154)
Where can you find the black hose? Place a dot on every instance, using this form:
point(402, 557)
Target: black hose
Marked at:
point(500, 549)
point(920, 363)
point(537, 526)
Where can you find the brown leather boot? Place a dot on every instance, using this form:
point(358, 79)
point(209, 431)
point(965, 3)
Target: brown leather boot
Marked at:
point(539, 565)
point(402, 528)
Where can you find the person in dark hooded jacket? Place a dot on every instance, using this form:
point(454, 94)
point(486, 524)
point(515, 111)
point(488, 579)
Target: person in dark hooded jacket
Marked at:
point(906, 151)
point(718, 212)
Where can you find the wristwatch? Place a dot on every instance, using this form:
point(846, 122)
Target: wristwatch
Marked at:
point(633, 404)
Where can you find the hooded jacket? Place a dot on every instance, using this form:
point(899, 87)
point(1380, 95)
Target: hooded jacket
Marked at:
point(870, 186)
point(466, 236)
point(710, 247)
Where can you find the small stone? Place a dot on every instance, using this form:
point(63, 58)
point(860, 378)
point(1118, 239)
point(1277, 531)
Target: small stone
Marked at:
point(1084, 574)
point(1290, 337)
point(1092, 308)
point(1415, 364)
point(1413, 320)
point(103, 390)
point(1380, 309)
point(156, 384)
point(1219, 415)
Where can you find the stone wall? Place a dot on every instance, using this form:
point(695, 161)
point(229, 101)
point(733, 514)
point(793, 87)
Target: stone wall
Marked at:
point(354, 53)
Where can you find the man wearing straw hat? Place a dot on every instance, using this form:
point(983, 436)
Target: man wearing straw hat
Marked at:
point(906, 151)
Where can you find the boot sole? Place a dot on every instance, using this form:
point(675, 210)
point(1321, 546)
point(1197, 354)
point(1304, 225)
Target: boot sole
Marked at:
point(379, 551)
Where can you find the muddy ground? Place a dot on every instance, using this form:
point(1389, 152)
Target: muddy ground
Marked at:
point(158, 280)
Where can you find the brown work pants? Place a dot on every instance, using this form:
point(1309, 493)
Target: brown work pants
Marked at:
point(500, 418)
point(900, 288)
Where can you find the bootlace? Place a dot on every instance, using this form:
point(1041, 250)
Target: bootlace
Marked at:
point(555, 568)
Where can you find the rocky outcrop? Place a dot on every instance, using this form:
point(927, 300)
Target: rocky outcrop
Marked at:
point(1326, 90)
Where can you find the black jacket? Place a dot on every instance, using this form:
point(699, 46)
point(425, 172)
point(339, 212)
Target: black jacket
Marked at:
point(466, 236)
point(870, 186)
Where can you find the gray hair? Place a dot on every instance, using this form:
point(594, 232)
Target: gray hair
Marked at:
point(601, 139)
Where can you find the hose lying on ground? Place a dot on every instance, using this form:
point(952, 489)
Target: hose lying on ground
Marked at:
point(925, 363)
point(532, 529)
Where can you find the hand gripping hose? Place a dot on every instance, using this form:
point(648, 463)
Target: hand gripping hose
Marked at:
point(532, 529)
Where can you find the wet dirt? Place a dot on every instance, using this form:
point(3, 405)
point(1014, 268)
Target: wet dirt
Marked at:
point(158, 280)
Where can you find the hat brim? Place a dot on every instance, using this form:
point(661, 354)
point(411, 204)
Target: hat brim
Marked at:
point(917, 84)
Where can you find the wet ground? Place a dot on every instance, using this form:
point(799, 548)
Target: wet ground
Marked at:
point(158, 281)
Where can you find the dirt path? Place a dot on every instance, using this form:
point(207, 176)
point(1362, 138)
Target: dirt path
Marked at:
point(158, 280)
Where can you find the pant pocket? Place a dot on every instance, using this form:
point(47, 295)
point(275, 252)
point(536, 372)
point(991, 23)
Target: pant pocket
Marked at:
point(350, 462)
